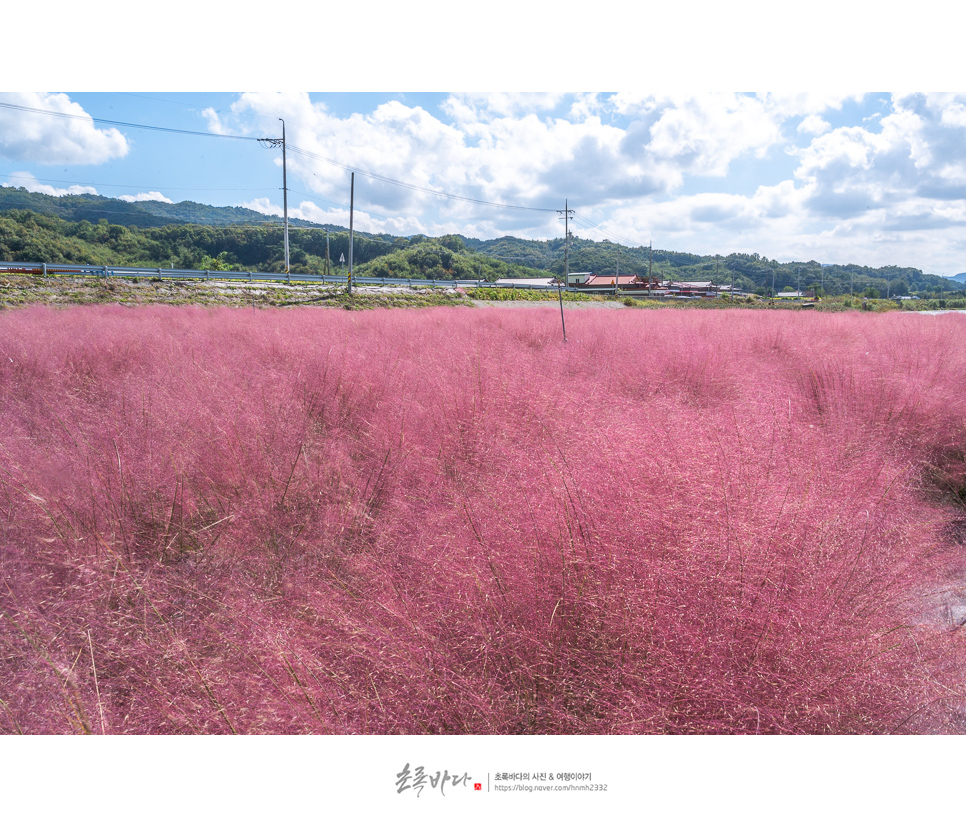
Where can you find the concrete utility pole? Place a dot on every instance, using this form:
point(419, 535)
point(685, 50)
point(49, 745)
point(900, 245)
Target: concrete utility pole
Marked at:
point(566, 213)
point(352, 203)
point(274, 143)
point(285, 194)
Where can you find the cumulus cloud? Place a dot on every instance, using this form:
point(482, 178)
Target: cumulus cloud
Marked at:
point(677, 137)
point(641, 167)
point(213, 118)
point(523, 149)
point(264, 206)
point(913, 154)
point(498, 159)
point(24, 179)
point(586, 105)
point(813, 124)
point(68, 139)
point(483, 105)
point(797, 105)
point(156, 196)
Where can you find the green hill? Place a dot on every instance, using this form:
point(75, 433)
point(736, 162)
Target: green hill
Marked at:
point(144, 213)
point(93, 229)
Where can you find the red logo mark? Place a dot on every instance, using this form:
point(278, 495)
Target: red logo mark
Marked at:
point(477, 786)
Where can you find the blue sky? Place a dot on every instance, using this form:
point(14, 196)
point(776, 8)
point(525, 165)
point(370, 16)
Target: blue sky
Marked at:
point(850, 176)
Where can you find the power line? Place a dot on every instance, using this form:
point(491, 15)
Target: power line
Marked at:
point(267, 142)
point(125, 185)
point(169, 101)
point(625, 241)
point(86, 118)
point(412, 187)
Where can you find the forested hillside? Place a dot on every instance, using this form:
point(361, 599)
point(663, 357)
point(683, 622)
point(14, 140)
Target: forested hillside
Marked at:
point(37, 238)
point(143, 213)
point(92, 229)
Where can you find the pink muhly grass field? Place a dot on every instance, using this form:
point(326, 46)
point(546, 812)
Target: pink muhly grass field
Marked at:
point(448, 521)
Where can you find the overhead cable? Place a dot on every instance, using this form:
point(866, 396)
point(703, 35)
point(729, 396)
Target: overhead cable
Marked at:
point(625, 241)
point(32, 178)
point(270, 142)
point(85, 118)
point(402, 184)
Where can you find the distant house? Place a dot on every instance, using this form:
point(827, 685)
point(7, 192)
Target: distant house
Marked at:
point(623, 282)
point(692, 288)
point(594, 281)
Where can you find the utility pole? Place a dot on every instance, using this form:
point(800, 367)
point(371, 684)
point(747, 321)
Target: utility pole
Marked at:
point(617, 274)
point(352, 202)
point(285, 194)
point(274, 143)
point(328, 265)
point(566, 213)
point(650, 266)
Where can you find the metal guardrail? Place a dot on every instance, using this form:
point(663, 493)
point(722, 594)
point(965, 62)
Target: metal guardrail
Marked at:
point(147, 272)
point(143, 272)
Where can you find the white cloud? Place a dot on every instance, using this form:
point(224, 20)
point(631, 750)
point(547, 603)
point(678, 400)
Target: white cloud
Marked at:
point(156, 196)
point(842, 151)
point(215, 124)
point(795, 105)
point(696, 135)
point(498, 159)
point(263, 205)
point(509, 149)
point(644, 167)
point(68, 139)
point(24, 179)
point(489, 105)
point(915, 151)
point(586, 105)
point(813, 124)
point(339, 216)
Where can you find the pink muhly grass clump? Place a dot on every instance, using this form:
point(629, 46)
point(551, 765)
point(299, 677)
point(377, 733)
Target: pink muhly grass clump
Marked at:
point(448, 521)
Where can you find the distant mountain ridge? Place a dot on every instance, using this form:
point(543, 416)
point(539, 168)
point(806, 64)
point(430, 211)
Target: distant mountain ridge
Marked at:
point(141, 213)
point(753, 271)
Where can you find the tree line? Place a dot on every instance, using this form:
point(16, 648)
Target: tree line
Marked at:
point(38, 238)
point(26, 235)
